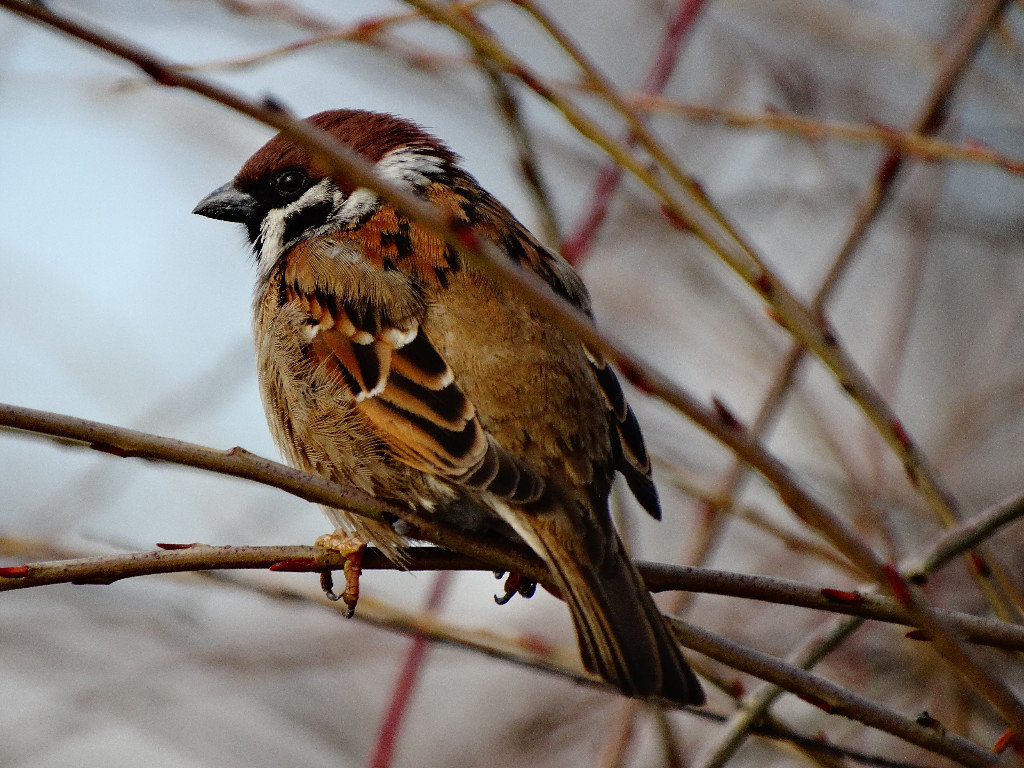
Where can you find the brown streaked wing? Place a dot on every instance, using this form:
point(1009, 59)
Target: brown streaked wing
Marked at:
point(411, 397)
point(628, 447)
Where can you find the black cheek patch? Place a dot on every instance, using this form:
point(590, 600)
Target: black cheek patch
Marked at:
point(306, 218)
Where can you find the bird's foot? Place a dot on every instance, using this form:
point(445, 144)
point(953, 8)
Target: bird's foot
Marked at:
point(515, 585)
point(351, 548)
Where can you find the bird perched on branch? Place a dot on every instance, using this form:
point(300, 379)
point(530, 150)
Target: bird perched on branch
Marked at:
point(388, 362)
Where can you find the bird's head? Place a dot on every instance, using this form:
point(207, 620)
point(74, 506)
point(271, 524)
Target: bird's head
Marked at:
point(283, 196)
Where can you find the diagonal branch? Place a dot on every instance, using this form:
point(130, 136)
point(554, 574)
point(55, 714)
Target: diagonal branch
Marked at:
point(828, 696)
point(927, 120)
point(704, 220)
point(578, 244)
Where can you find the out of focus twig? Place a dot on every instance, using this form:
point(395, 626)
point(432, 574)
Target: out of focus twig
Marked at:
point(507, 103)
point(366, 30)
point(830, 697)
point(905, 142)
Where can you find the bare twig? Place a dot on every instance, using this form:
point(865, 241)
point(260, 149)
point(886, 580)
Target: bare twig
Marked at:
point(967, 536)
point(658, 577)
point(903, 142)
point(507, 103)
point(278, 10)
point(405, 684)
point(665, 59)
point(830, 697)
point(756, 705)
point(363, 31)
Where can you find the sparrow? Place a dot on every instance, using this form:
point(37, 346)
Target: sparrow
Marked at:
point(388, 362)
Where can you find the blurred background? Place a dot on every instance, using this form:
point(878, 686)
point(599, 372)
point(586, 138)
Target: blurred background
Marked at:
point(118, 305)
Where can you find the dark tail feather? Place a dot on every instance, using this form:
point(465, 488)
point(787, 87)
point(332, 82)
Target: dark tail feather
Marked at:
point(622, 635)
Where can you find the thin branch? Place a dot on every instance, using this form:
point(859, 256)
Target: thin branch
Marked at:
point(756, 705)
point(507, 103)
point(364, 31)
point(906, 143)
point(184, 558)
point(705, 221)
point(578, 243)
point(405, 684)
point(829, 697)
point(967, 536)
point(278, 10)
point(235, 462)
point(658, 577)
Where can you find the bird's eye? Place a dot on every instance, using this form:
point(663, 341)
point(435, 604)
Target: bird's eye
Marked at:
point(288, 184)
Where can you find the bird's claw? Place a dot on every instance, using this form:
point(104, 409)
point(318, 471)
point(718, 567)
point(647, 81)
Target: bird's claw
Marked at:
point(515, 585)
point(351, 549)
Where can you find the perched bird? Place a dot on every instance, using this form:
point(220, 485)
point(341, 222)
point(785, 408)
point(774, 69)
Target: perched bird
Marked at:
point(389, 363)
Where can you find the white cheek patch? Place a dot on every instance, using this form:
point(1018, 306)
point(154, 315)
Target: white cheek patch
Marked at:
point(410, 168)
point(274, 225)
point(271, 236)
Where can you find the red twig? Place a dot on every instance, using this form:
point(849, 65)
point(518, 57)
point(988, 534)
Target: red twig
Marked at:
point(577, 245)
point(405, 685)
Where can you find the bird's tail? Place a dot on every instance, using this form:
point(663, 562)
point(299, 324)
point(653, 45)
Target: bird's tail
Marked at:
point(622, 634)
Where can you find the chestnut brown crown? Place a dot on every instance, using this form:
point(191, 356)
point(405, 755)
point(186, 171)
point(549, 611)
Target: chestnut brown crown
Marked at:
point(371, 134)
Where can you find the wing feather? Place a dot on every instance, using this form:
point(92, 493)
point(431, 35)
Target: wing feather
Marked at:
point(629, 451)
point(407, 392)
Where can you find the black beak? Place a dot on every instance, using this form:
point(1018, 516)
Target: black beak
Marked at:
point(227, 204)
